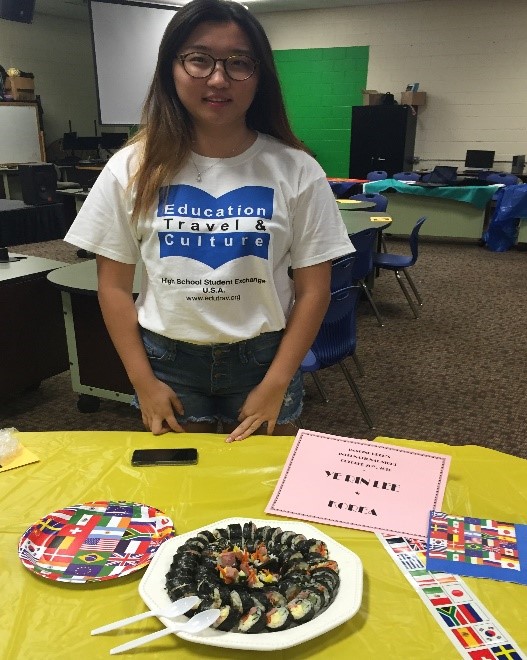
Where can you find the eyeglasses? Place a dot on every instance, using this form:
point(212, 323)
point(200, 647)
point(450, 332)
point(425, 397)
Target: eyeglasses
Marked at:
point(201, 65)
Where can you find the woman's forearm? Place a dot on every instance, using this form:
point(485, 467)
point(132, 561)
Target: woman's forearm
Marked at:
point(120, 317)
point(115, 286)
point(312, 296)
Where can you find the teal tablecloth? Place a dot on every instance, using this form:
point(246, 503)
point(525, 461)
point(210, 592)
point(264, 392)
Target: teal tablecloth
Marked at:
point(478, 196)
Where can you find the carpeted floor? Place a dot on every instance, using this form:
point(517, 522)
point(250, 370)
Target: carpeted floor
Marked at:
point(457, 375)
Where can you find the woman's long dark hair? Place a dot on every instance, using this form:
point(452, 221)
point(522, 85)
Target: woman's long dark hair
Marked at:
point(167, 131)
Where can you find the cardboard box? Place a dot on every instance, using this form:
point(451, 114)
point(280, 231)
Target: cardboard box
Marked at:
point(21, 89)
point(371, 97)
point(413, 98)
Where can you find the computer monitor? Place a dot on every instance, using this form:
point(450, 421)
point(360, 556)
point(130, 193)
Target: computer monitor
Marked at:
point(87, 143)
point(479, 159)
point(68, 141)
point(113, 140)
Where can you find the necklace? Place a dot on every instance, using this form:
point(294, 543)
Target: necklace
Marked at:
point(200, 173)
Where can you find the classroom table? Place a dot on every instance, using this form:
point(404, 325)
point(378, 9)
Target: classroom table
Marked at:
point(95, 367)
point(21, 223)
point(32, 333)
point(451, 211)
point(354, 205)
point(345, 187)
point(42, 618)
point(356, 221)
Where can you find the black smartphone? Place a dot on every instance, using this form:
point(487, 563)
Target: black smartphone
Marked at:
point(186, 456)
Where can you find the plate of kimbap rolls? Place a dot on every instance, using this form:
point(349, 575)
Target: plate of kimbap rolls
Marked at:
point(276, 583)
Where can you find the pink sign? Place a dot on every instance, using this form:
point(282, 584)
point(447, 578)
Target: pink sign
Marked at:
point(362, 484)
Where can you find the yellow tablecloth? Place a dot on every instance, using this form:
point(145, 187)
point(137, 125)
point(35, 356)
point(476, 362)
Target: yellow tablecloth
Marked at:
point(44, 619)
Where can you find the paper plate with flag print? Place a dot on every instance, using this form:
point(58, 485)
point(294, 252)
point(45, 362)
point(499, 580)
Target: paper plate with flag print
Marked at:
point(94, 541)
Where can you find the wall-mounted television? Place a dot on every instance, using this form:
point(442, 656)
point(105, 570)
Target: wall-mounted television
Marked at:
point(479, 159)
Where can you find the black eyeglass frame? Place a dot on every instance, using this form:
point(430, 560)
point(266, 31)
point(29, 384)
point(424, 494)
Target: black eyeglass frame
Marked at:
point(223, 60)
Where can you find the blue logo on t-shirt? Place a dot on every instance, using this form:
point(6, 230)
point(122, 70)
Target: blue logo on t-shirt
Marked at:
point(213, 249)
point(183, 201)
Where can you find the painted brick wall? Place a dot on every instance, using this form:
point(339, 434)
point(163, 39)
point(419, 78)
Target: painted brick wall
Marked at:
point(320, 86)
point(469, 56)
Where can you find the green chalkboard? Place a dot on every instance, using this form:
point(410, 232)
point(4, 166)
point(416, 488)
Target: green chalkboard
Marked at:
point(320, 86)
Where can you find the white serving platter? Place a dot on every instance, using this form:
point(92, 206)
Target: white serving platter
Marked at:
point(344, 607)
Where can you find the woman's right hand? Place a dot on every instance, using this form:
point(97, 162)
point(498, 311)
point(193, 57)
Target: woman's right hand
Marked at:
point(158, 402)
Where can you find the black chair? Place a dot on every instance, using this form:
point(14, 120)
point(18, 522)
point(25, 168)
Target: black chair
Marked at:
point(335, 341)
point(400, 263)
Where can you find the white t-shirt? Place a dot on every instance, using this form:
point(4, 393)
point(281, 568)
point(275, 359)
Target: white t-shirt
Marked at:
point(215, 253)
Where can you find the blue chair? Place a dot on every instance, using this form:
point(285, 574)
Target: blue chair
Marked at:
point(335, 341)
point(400, 263)
point(341, 272)
point(502, 177)
point(341, 278)
point(380, 201)
point(365, 244)
point(406, 176)
point(341, 189)
point(377, 175)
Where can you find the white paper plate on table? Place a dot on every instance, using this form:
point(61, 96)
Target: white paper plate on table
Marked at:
point(346, 604)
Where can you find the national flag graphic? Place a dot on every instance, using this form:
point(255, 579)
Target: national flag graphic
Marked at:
point(85, 570)
point(56, 557)
point(90, 558)
point(467, 637)
point(49, 526)
point(507, 529)
point(437, 596)
point(425, 580)
point(409, 560)
point(108, 532)
point(456, 591)
point(124, 560)
point(116, 521)
point(136, 534)
point(437, 545)
point(489, 633)
point(444, 578)
point(458, 615)
point(505, 652)
point(101, 543)
point(481, 654)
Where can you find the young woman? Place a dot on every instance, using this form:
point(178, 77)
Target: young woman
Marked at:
point(219, 201)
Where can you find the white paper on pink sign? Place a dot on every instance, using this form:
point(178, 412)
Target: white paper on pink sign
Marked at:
point(357, 483)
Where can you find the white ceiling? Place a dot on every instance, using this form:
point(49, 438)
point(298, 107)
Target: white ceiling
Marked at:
point(78, 9)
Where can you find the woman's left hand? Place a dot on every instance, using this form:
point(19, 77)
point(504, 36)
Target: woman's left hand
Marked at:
point(262, 406)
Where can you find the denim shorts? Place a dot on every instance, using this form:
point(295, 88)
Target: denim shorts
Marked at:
point(212, 381)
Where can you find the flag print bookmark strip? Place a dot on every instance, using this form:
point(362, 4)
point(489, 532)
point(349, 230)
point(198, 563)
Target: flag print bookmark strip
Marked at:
point(469, 626)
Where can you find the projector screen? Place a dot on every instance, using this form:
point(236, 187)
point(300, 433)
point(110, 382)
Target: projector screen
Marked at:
point(125, 40)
